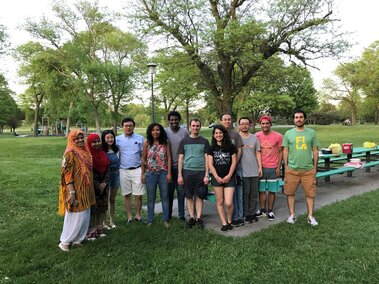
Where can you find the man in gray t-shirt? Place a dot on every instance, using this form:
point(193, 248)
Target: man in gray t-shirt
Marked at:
point(251, 167)
point(175, 134)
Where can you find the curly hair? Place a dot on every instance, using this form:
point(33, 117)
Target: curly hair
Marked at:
point(225, 140)
point(104, 145)
point(162, 137)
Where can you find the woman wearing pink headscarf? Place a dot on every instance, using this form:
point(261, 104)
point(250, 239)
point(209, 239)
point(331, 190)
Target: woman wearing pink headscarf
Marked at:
point(101, 177)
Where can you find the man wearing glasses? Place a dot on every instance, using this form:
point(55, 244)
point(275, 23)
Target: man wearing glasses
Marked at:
point(130, 145)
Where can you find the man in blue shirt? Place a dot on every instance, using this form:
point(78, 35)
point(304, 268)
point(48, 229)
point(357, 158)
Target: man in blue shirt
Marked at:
point(130, 145)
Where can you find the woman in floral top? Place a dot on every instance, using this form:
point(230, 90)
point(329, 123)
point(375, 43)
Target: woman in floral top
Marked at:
point(156, 170)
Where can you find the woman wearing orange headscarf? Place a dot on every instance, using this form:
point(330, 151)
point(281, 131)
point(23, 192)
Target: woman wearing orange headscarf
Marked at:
point(76, 194)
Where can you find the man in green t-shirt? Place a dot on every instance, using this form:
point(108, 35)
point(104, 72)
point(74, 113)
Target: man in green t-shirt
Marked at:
point(300, 157)
point(193, 172)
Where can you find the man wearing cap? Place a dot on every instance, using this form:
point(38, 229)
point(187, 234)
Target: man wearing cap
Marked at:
point(271, 155)
point(300, 157)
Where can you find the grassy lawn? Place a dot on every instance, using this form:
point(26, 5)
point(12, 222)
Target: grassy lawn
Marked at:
point(343, 248)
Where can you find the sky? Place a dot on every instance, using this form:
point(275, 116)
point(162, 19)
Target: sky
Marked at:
point(358, 17)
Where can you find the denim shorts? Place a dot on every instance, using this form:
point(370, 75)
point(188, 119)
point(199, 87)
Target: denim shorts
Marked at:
point(114, 180)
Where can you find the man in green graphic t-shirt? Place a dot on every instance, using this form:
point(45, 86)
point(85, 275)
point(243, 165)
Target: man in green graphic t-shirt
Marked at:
point(300, 157)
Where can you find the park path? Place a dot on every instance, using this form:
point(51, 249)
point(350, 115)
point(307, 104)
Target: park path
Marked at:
point(341, 187)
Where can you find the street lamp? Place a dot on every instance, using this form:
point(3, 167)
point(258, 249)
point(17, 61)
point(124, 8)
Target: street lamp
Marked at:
point(151, 72)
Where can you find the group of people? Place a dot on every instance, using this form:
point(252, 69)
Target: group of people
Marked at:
point(240, 166)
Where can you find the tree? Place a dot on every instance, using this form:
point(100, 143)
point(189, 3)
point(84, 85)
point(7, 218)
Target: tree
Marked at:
point(35, 69)
point(368, 76)
point(277, 90)
point(178, 81)
point(229, 41)
point(96, 57)
point(3, 40)
point(8, 106)
point(345, 88)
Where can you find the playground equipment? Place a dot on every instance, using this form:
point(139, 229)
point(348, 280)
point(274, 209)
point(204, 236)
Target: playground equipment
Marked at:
point(82, 126)
point(45, 126)
point(60, 126)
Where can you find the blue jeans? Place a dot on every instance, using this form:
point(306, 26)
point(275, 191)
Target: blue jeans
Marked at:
point(179, 191)
point(238, 198)
point(153, 179)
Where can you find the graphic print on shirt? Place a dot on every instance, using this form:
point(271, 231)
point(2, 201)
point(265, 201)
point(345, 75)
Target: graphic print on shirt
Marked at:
point(300, 143)
point(266, 148)
point(221, 158)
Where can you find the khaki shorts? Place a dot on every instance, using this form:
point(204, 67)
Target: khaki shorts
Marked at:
point(130, 182)
point(307, 179)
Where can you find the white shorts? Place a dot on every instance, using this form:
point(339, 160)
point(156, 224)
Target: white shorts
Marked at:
point(130, 182)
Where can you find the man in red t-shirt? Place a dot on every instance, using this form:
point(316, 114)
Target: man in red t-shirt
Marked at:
point(271, 155)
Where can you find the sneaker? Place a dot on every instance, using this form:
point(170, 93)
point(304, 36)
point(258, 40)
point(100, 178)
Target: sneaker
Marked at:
point(270, 216)
point(291, 219)
point(230, 227)
point(253, 218)
point(248, 219)
point(224, 228)
point(241, 222)
point(311, 220)
point(199, 223)
point(261, 212)
point(129, 222)
point(191, 222)
point(182, 218)
point(235, 223)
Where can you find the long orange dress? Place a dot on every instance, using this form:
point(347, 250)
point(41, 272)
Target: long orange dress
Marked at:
point(83, 185)
point(76, 169)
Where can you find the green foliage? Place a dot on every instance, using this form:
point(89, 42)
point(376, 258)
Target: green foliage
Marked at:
point(230, 42)
point(10, 115)
point(277, 90)
point(327, 114)
point(95, 61)
point(3, 39)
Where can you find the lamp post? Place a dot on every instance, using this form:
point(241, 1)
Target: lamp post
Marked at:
point(151, 67)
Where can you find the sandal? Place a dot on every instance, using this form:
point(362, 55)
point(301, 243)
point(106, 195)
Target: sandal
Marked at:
point(64, 247)
point(91, 235)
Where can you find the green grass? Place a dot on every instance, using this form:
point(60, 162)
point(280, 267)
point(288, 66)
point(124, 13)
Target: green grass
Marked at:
point(343, 248)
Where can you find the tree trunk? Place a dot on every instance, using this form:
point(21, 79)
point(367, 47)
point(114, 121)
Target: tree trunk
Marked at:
point(95, 112)
point(36, 113)
point(254, 118)
point(353, 116)
point(114, 119)
point(68, 123)
point(96, 116)
point(187, 113)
